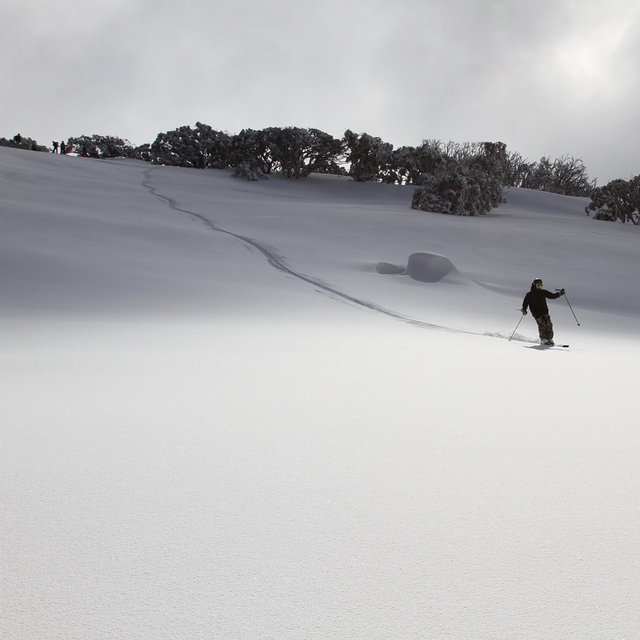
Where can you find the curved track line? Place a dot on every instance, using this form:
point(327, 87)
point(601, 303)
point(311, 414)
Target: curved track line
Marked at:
point(279, 264)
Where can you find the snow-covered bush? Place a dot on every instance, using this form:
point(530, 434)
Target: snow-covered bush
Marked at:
point(250, 155)
point(369, 156)
point(409, 165)
point(458, 191)
point(299, 152)
point(254, 154)
point(20, 142)
point(565, 175)
point(569, 177)
point(101, 146)
point(201, 147)
point(248, 171)
point(470, 184)
point(617, 200)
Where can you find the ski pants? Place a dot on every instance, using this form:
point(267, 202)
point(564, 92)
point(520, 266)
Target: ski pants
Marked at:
point(545, 327)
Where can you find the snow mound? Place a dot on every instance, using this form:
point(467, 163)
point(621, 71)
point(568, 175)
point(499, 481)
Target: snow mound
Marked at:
point(423, 266)
point(390, 269)
point(429, 267)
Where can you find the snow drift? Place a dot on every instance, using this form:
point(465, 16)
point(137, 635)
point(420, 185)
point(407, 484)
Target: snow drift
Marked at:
point(422, 266)
point(218, 421)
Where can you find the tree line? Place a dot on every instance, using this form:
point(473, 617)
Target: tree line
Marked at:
point(454, 178)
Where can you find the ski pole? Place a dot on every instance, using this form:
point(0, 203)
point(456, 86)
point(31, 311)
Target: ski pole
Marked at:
point(570, 307)
point(514, 331)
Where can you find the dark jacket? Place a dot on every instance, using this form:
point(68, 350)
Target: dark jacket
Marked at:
point(536, 300)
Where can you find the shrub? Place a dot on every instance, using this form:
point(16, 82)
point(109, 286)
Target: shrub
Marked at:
point(470, 185)
point(617, 200)
point(368, 156)
point(101, 146)
point(201, 148)
point(565, 175)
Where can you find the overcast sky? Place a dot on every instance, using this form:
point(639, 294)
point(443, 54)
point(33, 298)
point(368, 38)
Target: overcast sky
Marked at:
point(547, 77)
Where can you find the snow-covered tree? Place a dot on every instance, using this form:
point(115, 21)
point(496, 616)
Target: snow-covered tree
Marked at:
point(325, 153)
point(250, 155)
point(517, 169)
point(299, 152)
point(21, 142)
point(565, 175)
point(617, 200)
point(201, 147)
point(458, 190)
point(369, 156)
point(101, 146)
point(408, 165)
point(467, 180)
point(569, 177)
point(293, 151)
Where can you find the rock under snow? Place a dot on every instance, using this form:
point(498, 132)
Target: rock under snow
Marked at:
point(423, 266)
point(389, 269)
point(429, 267)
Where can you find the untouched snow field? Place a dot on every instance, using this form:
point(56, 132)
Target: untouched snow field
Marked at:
point(218, 421)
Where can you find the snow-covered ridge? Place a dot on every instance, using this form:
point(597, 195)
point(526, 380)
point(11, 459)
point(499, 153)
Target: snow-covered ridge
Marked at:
point(218, 420)
point(102, 254)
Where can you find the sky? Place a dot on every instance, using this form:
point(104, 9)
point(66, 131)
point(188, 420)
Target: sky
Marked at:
point(548, 78)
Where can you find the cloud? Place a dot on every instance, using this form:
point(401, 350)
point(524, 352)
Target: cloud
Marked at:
point(553, 77)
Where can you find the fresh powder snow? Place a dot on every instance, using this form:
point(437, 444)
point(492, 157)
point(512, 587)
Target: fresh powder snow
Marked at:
point(290, 410)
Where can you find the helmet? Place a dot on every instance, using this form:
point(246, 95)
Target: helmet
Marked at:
point(537, 282)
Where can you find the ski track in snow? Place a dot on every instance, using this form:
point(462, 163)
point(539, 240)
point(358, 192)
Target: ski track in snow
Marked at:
point(279, 264)
point(232, 471)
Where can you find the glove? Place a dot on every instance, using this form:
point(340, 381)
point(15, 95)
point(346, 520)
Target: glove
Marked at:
point(524, 312)
point(561, 292)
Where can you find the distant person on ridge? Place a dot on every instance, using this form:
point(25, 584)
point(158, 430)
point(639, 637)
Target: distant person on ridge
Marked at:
point(536, 300)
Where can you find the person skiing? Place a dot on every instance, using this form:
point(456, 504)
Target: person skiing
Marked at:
point(536, 300)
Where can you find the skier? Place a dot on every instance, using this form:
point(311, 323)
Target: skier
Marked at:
point(536, 300)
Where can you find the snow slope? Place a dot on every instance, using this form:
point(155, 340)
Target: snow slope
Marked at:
point(219, 421)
